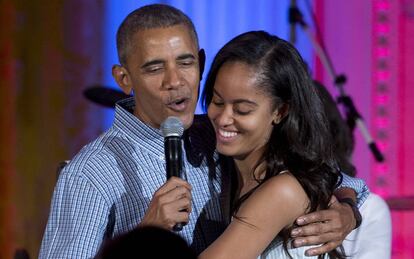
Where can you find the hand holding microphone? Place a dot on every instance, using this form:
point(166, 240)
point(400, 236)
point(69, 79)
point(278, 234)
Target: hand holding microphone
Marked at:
point(172, 129)
point(171, 203)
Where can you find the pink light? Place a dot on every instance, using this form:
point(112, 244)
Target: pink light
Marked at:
point(383, 75)
point(383, 146)
point(382, 29)
point(381, 169)
point(381, 6)
point(381, 191)
point(382, 52)
point(381, 99)
point(381, 122)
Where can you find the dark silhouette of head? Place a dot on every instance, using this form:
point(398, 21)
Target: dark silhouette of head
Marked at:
point(146, 242)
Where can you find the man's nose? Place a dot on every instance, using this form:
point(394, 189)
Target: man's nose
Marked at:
point(173, 78)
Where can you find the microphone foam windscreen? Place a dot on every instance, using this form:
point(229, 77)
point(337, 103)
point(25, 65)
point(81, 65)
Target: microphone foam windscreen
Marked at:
point(172, 126)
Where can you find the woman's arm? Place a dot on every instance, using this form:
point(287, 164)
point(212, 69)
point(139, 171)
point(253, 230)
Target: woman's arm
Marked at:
point(273, 206)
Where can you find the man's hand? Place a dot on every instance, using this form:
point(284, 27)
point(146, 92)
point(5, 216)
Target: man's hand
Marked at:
point(170, 204)
point(328, 227)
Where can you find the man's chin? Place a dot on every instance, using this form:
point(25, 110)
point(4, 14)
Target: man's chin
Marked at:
point(187, 120)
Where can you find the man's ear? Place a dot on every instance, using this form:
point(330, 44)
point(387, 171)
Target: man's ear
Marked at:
point(201, 61)
point(121, 77)
point(280, 114)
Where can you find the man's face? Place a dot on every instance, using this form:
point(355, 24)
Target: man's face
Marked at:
point(163, 70)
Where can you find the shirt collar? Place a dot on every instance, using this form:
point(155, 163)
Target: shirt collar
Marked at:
point(134, 128)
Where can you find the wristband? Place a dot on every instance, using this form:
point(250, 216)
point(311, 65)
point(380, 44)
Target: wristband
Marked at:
point(355, 210)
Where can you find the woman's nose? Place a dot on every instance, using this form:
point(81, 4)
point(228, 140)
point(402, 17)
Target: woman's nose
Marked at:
point(225, 117)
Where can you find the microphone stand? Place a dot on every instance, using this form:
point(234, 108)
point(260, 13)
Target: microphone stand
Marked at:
point(353, 116)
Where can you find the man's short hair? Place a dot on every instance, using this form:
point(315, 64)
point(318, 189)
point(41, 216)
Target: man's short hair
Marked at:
point(149, 17)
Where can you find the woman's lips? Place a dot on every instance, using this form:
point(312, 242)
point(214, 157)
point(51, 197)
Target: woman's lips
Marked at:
point(226, 136)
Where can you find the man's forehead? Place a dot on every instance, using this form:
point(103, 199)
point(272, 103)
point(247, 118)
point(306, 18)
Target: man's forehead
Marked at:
point(177, 34)
point(172, 41)
point(162, 44)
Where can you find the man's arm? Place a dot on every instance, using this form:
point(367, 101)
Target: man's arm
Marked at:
point(77, 221)
point(330, 227)
point(357, 185)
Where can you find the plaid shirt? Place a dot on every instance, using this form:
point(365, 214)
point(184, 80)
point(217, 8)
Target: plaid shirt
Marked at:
point(106, 188)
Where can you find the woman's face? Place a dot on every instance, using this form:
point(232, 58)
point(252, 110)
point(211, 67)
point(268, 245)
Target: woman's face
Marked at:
point(240, 112)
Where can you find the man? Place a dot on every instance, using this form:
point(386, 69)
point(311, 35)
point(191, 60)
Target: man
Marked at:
point(118, 181)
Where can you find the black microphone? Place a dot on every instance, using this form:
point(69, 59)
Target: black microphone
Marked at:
point(295, 17)
point(172, 129)
point(104, 96)
point(292, 22)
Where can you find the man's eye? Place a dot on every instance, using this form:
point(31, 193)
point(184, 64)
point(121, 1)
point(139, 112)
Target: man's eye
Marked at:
point(187, 63)
point(153, 69)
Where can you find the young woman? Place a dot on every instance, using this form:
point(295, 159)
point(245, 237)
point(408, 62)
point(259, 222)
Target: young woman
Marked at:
point(269, 119)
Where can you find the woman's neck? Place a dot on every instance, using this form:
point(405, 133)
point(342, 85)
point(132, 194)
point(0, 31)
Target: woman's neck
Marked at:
point(249, 171)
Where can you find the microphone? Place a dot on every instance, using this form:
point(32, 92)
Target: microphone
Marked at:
point(172, 129)
point(292, 22)
point(295, 17)
point(104, 96)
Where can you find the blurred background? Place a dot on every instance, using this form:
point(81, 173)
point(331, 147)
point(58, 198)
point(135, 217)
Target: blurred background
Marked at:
point(52, 51)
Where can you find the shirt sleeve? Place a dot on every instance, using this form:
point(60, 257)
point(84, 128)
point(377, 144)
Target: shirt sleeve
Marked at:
point(358, 185)
point(77, 220)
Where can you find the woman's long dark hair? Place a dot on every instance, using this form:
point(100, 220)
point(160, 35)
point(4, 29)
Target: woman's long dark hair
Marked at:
point(341, 132)
point(301, 142)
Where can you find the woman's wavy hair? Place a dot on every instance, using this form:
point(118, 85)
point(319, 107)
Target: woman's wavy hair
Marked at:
point(341, 132)
point(301, 142)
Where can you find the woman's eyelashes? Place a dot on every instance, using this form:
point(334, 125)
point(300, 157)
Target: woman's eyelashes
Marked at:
point(237, 108)
point(242, 111)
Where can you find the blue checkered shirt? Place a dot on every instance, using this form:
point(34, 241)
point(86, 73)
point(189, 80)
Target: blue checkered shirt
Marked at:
point(106, 188)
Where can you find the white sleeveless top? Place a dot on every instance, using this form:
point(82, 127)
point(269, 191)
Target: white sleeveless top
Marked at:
point(275, 251)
